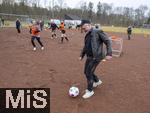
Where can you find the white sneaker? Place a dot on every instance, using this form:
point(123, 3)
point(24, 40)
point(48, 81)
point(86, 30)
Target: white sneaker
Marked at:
point(86, 90)
point(104, 60)
point(95, 84)
point(42, 48)
point(88, 94)
point(34, 49)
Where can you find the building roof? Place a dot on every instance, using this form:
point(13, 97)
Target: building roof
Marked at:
point(71, 17)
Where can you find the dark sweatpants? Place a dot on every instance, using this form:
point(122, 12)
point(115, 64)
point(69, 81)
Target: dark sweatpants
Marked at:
point(90, 66)
point(18, 29)
point(38, 39)
point(129, 36)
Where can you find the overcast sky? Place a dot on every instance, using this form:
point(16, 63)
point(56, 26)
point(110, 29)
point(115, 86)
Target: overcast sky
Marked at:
point(127, 3)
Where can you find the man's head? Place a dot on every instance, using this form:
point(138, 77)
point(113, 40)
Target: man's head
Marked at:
point(86, 25)
point(62, 22)
point(37, 22)
point(34, 22)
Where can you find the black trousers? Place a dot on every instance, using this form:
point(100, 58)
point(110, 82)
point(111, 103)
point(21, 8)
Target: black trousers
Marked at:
point(53, 33)
point(90, 66)
point(129, 36)
point(62, 38)
point(38, 39)
point(18, 29)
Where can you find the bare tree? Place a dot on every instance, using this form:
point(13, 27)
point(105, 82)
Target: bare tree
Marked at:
point(90, 10)
point(106, 13)
point(143, 9)
point(83, 8)
point(99, 9)
point(140, 14)
point(45, 3)
point(60, 2)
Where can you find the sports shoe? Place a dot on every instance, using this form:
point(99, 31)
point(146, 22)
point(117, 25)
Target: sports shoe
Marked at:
point(88, 94)
point(42, 48)
point(104, 60)
point(34, 49)
point(86, 90)
point(95, 84)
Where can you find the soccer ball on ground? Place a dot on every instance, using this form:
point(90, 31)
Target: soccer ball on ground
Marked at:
point(73, 91)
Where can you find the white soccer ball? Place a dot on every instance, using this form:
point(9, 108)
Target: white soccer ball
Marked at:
point(73, 91)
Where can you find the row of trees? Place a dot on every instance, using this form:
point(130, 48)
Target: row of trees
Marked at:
point(104, 13)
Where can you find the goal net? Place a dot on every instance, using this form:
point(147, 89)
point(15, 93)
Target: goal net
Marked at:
point(10, 19)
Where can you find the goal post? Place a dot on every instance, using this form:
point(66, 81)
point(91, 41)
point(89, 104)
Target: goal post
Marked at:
point(10, 19)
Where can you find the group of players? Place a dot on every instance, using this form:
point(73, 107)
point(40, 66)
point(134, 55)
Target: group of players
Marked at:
point(61, 27)
point(35, 30)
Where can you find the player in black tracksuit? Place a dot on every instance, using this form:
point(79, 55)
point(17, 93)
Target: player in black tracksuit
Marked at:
point(93, 49)
point(18, 25)
point(129, 32)
point(53, 27)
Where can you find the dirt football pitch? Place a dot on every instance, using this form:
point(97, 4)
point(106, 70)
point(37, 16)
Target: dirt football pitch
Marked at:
point(126, 80)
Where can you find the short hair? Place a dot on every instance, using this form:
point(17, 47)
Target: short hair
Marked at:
point(85, 22)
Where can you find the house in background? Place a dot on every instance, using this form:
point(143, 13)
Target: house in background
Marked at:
point(71, 21)
point(146, 26)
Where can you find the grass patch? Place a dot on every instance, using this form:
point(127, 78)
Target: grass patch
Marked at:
point(124, 30)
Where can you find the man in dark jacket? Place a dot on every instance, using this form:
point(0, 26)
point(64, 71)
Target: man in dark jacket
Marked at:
point(18, 24)
point(3, 21)
point(53, 27)
point(41, 24)
point(129, 32)
point(93, 49)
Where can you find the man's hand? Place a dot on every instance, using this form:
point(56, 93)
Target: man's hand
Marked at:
point(108, 57)
point(80, 58)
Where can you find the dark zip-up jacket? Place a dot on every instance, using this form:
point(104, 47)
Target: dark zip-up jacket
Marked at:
point(93, 46)
point(18, 24)
point(54, 26)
